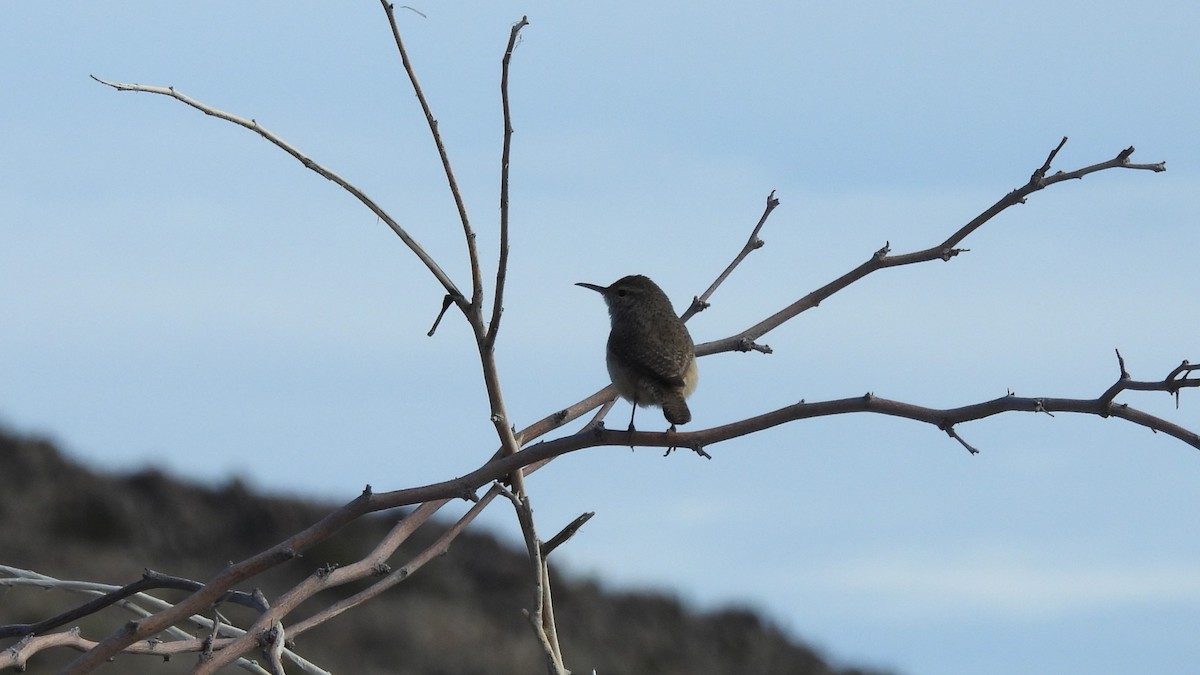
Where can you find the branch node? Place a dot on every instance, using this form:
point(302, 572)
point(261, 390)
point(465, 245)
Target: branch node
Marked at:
point(1039, 405)
point(882, 253)
point(747, 345)
point(698, 305)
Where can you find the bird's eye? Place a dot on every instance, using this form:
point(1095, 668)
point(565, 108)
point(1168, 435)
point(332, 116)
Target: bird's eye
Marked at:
point(621, 293)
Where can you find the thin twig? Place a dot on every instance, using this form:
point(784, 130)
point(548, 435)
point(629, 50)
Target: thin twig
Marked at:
point(358, 194)
point(700, 303)
point(566, 533)
point(468, 233)
point(395, 576)
point(502, 262)
point(150, 580)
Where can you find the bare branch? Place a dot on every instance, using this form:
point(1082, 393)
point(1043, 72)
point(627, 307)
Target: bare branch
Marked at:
point(700, 303)
point(254, 126)
point(393, 577)
point(468, 233)
point(150, 580)
point(943, 251)
point(502, 263)
point(183, 641)
point(566, 533)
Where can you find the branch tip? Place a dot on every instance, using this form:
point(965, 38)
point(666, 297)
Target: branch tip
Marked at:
point(566, 533)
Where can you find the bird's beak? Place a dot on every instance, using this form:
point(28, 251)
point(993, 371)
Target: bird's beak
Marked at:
point(594, 287)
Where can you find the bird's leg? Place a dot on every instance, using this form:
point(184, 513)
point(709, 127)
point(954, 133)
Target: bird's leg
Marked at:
point(631, 414)
point(671, 448)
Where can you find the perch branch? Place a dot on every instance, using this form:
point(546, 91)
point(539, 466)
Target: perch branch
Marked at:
point(1179, 378)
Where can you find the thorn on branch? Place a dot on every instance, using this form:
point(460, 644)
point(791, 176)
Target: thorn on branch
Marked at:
point(1121, 364)
point(1039, 406)
point(446, 302)
point(949, 429)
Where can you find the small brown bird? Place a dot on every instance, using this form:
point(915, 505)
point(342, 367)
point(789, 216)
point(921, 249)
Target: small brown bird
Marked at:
point(651, 358)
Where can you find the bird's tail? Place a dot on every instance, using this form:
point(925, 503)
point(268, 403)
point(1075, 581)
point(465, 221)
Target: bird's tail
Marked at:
point(675, 408)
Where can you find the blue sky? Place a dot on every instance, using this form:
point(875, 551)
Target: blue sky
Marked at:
point(179, 293)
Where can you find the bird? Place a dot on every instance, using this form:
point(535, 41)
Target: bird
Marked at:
point(650, 354)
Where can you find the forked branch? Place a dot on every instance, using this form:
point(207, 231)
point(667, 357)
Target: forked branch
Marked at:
point(945, 250)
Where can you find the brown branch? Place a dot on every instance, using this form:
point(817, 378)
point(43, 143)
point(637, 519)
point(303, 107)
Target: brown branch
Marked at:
point(322, 579)
point(566, 533)
point(150, 580)
point(700, 302)
point(1179, 378)
point(943, 251)
point(310, 164)
point(17, 655)
point(541, 619)
point(468, 233)
point(393, 577)
point(502, 262)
